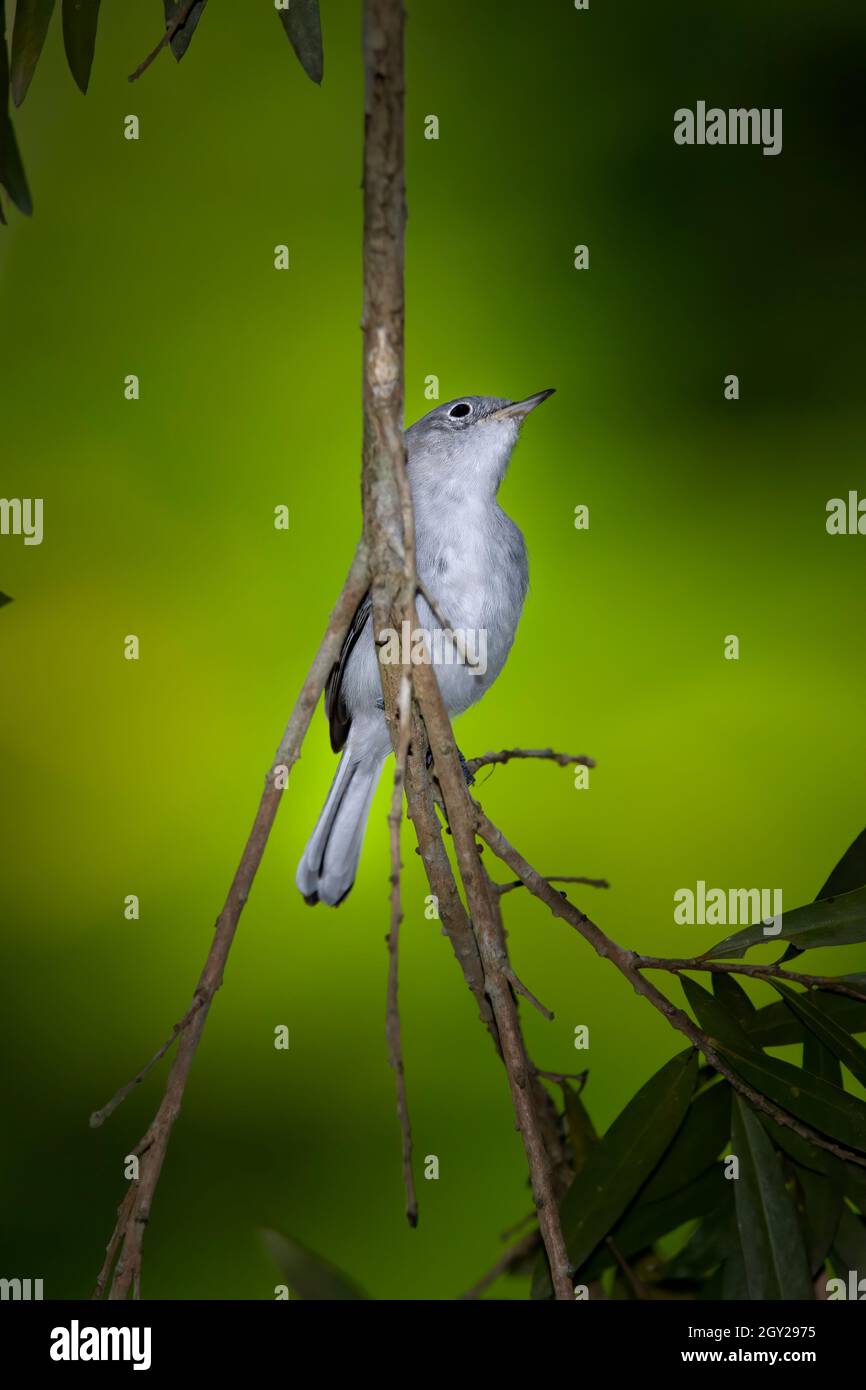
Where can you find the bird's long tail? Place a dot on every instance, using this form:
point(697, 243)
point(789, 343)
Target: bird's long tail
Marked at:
point(330, 861)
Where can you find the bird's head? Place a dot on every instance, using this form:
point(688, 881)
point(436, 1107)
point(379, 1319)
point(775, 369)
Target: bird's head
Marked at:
point(466, 443)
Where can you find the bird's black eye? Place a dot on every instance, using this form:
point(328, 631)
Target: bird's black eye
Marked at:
point(458, 410)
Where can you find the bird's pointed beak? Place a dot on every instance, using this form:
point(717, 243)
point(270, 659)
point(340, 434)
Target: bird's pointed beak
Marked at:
point(518, 410)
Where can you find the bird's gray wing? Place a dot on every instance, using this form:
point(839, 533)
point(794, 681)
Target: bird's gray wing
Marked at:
point(337, 714)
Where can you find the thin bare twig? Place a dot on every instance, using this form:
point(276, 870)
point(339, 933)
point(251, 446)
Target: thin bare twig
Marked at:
point(756, 972)
point(171, 29)
point(625, 963)
point(549, 755)
point(515, 1255)
point(516, 983)
point(554, 878)
point(125, 1247)
point(560, 1076)
point(395, 1046)
point(100, 1116)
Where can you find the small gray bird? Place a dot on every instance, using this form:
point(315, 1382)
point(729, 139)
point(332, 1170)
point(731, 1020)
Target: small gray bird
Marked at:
point(472, 559)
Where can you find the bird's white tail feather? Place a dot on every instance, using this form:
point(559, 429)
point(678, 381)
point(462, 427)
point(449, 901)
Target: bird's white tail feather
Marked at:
point(330, 861)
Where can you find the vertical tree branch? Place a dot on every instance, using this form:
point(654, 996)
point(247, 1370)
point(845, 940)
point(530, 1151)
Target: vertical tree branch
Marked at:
point(395, 1046)
point(389, 530)
point(125, 1245)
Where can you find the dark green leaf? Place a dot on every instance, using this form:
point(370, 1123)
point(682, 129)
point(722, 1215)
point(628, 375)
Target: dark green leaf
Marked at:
point(770, 1234)
point(579, 1127)
point(4, 598)
point(181, 40)
point(303, 26)
point(32, 18)
point(12, 175)
point(697, 1144)
point(775, 1025)
point(645, 1222)
point(621, 1162)
point(840, 1043)
point(850, 872)
point(819, 1060)
point(837, 921)
point(824, 1106)
point(79, 37)
point(804, 1154)
point(308, 1276)
point(853, 1181)
point(822, 1208)
point(849, 1245)
point(731, 994)
point(713, 1240)
point(712, 1015)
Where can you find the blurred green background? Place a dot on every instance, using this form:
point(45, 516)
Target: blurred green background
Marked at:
point(707, 518)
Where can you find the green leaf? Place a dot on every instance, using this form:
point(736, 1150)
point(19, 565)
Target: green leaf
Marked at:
point(824, 1106)
point(819, 1060)
point(619, 1164)
point(4, 598)
point(308, 1276)
point(850, 872)
point(770, 1233)
point(12, 176)
point(32, 18)
point(840, 1043)
point(645, 1222)
point(733, 997)
point(579, 1126)
point(836, 921)
point(696, 1145)
point(181, 40)
point(713, 1240)
point(775, 1025)
point(79, 37)
point(822, 1208)
point(849, 1246)
point(303, 26)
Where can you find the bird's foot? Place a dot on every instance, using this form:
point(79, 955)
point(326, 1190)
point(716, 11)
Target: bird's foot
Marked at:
point(468, 775)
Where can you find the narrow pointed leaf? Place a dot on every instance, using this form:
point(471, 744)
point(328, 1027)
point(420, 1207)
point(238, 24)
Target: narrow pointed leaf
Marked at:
point(840, 1043)
point(303, 26)
point(713, 1240)
point(4, 598)
point(849, 1246)
point(731, 994)
point(12, 175)
point(850, 872)
point(836, 921)
point(696, 1145)
point(775, 1025)
point(579, 1127)
point(822, 1208)
point(824, 1106)
point(619, 1164)
point(309, 1276)
point(80, 18)
point(819, 1060)
point(32, 18)
point(181, 40)
point(770, 1233)
point(646, 1222)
